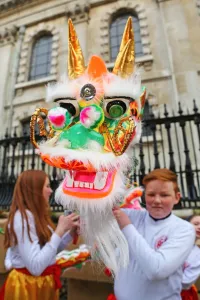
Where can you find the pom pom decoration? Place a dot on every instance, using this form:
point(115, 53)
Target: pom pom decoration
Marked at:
point(59, 118)
point(107, 272)
point(92, 116)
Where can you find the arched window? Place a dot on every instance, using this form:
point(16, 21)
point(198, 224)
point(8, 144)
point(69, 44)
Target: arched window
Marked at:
point(40, 63)
point(116, 32)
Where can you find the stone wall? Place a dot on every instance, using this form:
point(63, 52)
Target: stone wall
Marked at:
point(170, 37)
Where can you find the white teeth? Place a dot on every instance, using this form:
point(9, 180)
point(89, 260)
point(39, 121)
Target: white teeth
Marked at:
point(87, 185)
point(100, 180)
point(70, 181)
point(76, 183)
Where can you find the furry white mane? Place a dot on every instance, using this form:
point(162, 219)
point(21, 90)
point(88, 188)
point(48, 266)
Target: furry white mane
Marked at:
point(117, 86)
point(65, 88)
point(97, 159)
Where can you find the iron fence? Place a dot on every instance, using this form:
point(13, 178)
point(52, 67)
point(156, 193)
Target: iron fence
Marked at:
point(170, 140)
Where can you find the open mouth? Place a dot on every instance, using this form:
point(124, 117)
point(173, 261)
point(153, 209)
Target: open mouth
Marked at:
point(88, 184)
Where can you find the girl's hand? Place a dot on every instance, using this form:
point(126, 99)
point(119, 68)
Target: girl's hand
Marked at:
point(66, 223)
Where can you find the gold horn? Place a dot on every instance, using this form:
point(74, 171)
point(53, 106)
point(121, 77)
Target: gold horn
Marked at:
point(76, 65)
point(124, 64)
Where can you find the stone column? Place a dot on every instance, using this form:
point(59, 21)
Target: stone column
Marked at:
point(182, 26)
point(7, 44)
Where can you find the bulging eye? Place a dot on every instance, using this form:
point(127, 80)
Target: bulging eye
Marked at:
point(88, 92)
point(115, 108)
point(71, 105)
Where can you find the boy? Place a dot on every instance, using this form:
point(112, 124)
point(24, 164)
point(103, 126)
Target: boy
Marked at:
point(159, 243)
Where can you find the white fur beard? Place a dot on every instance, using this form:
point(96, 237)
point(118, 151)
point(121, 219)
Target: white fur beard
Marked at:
point(108, 244)
point(99, 227)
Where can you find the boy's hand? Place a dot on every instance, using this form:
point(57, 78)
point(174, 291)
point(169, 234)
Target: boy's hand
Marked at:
point(122, 219)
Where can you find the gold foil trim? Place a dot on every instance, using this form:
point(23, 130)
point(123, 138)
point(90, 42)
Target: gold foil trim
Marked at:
point(76, 65)
point(38, 119)
point(124, 64)
point(117, 147)
point(143, 98)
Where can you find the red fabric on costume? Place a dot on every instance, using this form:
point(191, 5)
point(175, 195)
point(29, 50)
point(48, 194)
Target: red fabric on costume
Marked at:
point(111, 297)
point(2, 291)
point(191, 294)
point(54, 270)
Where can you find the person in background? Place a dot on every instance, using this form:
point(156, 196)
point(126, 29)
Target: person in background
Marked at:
point(191, 267)
point(159, 243)
point(33, 241)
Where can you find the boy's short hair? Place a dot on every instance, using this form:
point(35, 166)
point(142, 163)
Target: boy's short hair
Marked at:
point(163, 175)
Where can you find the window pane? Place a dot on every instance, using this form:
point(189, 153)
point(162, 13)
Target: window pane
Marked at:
point(114, 42)
point(48, 67)
point(43, 49)
point(137, 37)
point(120, 30)
point(114, 52)
point(116, 33)
point(138, 48)
point(41, 58)
point(41, 69)
point(113, 30)
point(122, 21)
point(136, 26)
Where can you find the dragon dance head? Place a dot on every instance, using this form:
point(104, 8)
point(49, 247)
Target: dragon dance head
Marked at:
point(96, 121)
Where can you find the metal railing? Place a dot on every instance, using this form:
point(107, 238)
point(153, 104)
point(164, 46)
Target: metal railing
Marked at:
point(170, 140)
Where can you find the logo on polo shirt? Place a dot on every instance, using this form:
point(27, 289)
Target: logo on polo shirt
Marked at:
point(160, 241)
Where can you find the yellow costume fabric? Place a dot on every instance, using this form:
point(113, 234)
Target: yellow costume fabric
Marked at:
point(27, 287)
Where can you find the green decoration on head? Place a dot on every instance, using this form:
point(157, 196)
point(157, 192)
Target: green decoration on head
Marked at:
point(79, 136)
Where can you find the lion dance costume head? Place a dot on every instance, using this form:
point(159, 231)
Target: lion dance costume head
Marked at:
point(91, 131)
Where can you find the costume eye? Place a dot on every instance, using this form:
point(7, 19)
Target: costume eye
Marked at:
point(71, 105)
point(88, 92)
point(115, 108)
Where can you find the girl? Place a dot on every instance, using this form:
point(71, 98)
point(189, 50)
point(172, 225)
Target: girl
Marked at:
point(33, 241)
point(192, 266)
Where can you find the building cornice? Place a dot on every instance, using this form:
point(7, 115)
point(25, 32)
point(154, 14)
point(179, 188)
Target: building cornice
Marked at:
point(6, 4)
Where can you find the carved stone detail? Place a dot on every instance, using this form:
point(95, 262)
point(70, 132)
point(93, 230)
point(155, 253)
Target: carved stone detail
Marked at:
point(8, 35)
point(27, 47)
point(79, 13)
point(6, 4)
point(105, 24)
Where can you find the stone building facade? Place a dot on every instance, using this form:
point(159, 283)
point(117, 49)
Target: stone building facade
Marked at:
point(167, 35)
